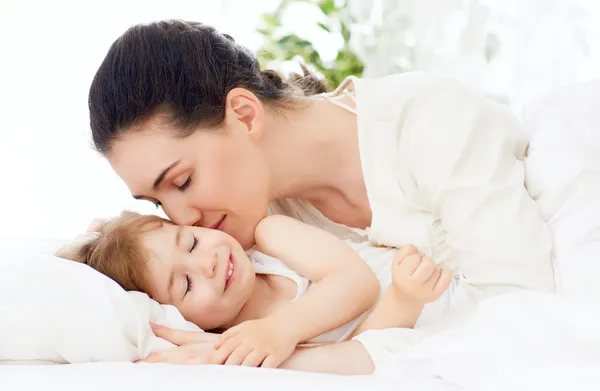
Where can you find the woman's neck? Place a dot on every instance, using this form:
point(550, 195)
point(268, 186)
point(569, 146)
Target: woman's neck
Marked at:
point(314, 155)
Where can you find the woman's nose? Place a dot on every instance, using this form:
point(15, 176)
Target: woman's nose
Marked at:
point(183, 216)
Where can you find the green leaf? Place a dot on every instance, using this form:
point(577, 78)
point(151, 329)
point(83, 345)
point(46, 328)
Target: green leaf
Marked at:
point(292, 47)
point(346, 32)
point(264, 32)
point(285, 39)
point(304, 43)
point(270, 20)
point(269, 56)
point(315, 58)
point(324, 27)
point(327, 6)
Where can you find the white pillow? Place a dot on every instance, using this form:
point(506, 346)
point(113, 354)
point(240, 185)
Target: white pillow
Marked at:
point(563, 175)
point(58, 311)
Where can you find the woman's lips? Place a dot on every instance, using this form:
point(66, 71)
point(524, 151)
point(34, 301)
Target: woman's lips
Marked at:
point(219, 223)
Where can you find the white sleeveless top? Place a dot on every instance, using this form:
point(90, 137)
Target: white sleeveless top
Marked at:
point(379, 260)
point(265, 264)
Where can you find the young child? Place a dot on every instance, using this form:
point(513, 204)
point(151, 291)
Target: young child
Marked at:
point(301, 284)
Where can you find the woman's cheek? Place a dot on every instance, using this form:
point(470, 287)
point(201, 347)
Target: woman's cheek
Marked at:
point(210, 195)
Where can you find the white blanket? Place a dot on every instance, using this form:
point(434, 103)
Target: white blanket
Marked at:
point(528, 340)
point(515, 341)
point(563, 176)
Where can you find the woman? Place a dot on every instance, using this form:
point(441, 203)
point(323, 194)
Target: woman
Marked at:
point(187, 119)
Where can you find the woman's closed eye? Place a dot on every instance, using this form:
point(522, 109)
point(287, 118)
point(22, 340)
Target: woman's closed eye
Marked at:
point(185, 185)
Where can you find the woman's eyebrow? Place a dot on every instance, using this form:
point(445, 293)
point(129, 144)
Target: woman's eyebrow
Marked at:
point(159, 179)
point(163, 174)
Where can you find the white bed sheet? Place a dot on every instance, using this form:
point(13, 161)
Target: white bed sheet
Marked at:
point(518, 341)
point(147, 377)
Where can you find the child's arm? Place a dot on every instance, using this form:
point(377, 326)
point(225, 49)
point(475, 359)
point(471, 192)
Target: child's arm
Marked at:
point(416, 280)
point(345, 285)
point(193, 348)
point(393, 310)
point(345, 288)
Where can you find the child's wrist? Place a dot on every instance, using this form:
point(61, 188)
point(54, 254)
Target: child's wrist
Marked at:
point(403, 297)
point(285, 326)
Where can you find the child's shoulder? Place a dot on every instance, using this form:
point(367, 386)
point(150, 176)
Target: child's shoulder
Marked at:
point(272, 268)
point(275, 221)
point(277, 228)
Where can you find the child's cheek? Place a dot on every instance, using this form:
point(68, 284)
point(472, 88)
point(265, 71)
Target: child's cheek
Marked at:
point(204, 308)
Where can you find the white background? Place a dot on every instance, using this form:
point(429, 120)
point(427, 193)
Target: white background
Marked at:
point(53, 182)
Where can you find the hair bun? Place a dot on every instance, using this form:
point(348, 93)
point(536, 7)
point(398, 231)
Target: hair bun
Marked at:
point(273, 78)
point(308, 82)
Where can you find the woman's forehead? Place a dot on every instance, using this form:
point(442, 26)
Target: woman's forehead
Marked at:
point(140, 158)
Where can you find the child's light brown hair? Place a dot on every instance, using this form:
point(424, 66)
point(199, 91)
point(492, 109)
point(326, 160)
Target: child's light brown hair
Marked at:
point(117, 250)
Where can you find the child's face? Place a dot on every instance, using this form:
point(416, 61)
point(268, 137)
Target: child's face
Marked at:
point(205, 273)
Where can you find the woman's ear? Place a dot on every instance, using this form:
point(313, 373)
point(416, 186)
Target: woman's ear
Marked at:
point(243, 110)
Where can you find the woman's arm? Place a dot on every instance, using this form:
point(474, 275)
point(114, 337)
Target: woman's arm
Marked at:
point(465, 154)
point(341, 358)
point(345, 285)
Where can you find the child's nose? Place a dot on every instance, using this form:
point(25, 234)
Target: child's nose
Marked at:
point(208, 263)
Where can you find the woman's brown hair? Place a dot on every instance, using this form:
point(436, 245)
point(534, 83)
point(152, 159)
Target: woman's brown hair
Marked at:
point(185, 69)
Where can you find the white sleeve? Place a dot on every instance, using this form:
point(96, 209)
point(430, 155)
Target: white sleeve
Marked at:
point(465, 157)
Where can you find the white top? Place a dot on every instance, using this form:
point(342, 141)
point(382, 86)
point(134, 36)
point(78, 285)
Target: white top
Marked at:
point(379, 260)
point(265, 264)
point(443, 170)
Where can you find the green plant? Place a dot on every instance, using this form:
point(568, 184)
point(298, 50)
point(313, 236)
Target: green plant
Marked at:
point(289, 47)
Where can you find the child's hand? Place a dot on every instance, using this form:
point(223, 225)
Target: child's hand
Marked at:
point(419, 277)
point(255, 343)
point(193, 347)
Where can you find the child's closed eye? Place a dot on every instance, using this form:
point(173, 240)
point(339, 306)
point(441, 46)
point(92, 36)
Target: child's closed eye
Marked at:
point(194, 243)
point(188, 284)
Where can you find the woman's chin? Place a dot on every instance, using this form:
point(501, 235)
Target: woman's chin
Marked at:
point(247, 242)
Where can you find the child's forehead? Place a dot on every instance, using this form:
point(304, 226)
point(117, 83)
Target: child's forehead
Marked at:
point(159, 236)
point(180, 235)
point(160, 246)
point(159, 228)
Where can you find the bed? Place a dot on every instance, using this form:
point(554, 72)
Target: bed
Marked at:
point(520, 341)
point(127, 377)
